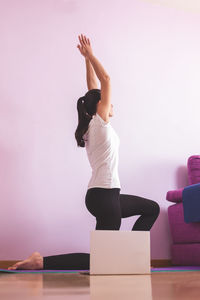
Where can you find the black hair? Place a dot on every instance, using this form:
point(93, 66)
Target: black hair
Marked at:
point(87, 107)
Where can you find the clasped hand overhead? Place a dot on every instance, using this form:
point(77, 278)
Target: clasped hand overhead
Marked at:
point(84, 46)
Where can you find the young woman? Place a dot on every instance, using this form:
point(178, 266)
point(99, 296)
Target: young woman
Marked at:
point(103, 198)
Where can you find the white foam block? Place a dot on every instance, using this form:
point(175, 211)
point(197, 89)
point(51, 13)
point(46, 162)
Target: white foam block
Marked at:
point(119, 252)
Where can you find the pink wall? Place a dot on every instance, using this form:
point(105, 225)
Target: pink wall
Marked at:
point(151, 52)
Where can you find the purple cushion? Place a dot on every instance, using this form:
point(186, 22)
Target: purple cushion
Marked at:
point(182, 232)
point(174, 196)
point(194, 169)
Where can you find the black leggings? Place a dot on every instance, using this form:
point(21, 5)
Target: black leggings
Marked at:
point(108, 206)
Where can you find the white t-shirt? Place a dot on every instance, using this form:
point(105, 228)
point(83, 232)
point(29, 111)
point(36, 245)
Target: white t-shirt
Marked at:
point(102, 145)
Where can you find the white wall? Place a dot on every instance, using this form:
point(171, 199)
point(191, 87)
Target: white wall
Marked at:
point(151, 51)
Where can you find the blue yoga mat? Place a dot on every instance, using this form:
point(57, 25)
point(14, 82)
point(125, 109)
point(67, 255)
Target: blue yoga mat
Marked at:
point(153, 270)
point(177, 269)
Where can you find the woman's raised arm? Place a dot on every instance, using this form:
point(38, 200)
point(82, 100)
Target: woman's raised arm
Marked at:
point(90, 75)
point(86, 50)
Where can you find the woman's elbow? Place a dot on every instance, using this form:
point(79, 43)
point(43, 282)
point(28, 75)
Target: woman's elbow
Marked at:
point(106, 78)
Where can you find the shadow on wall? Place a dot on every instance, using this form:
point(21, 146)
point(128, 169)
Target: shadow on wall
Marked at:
point(181, 177)
point(161, 239)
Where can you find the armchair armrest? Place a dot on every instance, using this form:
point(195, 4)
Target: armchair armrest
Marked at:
point(175, 196)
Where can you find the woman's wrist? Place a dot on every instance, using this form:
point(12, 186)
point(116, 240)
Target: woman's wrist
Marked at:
point(89, 56)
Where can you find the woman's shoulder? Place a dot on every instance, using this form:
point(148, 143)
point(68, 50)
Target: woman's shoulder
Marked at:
point(104, 121)
point(103, 114)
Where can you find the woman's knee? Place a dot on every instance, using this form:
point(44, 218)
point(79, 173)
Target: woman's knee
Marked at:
point(156, 208)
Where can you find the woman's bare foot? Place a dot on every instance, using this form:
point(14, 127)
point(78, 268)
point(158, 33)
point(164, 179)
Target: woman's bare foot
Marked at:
point(33, 262)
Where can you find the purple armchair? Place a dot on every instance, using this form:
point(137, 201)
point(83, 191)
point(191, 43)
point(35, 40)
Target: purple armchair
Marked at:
point(185, 249)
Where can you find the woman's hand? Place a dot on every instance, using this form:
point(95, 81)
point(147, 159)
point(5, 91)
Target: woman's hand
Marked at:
point(84, 47)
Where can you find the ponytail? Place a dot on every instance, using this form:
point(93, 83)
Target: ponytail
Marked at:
point(83, 122)
point(86, 106)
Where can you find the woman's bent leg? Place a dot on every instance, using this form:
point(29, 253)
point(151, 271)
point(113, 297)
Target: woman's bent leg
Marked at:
point(70, 261)
point(133, 205)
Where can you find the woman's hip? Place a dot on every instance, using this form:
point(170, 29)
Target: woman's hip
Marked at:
point(102, 201)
